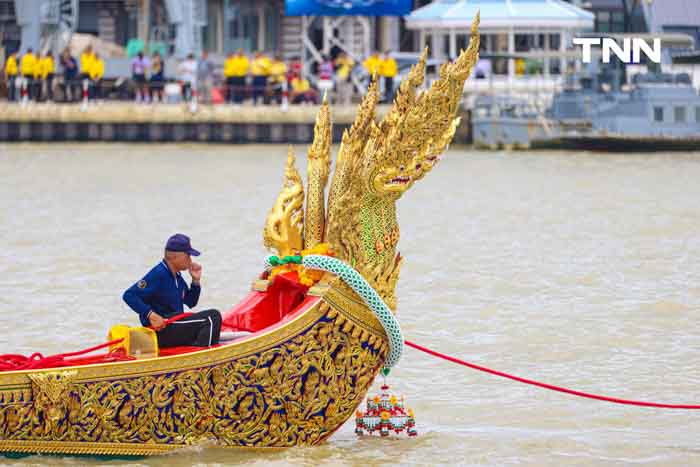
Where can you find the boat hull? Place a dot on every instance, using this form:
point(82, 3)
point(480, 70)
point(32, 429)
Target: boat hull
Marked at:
point(614, 143)
point(293, 385)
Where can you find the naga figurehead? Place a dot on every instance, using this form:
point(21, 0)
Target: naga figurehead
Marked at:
point(379, 161)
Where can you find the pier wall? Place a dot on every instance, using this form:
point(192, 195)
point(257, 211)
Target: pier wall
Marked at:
point(130, 122)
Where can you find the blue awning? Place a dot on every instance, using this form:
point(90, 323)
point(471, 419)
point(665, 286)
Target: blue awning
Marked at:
point(499, 14)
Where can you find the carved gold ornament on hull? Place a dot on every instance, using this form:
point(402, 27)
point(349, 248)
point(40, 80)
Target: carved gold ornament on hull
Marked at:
point(295, 393)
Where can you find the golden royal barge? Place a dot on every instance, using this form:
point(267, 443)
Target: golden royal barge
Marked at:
point(316, 345)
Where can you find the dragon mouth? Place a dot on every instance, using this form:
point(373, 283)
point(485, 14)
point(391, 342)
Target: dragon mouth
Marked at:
point(400, 180)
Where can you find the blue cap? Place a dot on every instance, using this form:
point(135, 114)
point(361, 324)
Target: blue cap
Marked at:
point(180, 242)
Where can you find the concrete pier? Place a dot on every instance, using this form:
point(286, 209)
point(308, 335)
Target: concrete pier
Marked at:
point(126, 121)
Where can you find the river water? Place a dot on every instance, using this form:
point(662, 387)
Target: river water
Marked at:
point(575, 269)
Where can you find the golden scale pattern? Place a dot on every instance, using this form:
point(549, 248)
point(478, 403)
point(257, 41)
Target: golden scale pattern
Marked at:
point(318, 169)
point(377, 163)
point(285, 222)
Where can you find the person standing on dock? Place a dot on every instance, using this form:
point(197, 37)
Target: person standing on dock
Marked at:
point(372, 63)
point(344, 65)
point(87, 57)
point(162, 293)
point(70, 75)
point(325, 76)
point(388, 70)
point(157, 78)
point(97, 72)
point(27, 65)
point(260, 69)
point(229, 63)
point(235, 72)
point(188, 76)
point(11, 72)
point(205, 77)
point(139, 66)
point(46, 71)
point(278, 76)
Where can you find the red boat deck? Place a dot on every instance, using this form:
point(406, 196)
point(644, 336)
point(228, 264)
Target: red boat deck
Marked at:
point(259, 312)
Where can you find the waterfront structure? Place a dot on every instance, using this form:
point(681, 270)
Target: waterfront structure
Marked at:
point(190, 26)
point(657, 111)
point(510, 29)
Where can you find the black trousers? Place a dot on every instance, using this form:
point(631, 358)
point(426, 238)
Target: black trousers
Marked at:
point(95, 89)
point(11, 93)
point(237, 88)
point(259, 88)
point(388, 88)
point(199, 330)
point(49, 86)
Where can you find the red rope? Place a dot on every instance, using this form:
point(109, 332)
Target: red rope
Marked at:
point(175, 318)
point(14, 362)
point(178, 317)
point(549, 386)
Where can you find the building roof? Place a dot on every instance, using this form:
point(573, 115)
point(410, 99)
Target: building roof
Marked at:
point(499, 14)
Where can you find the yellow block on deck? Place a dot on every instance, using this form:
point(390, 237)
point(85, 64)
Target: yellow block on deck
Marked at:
point(139, 342)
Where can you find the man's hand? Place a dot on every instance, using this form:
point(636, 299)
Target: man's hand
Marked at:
point(157, 321)
point(196, 272)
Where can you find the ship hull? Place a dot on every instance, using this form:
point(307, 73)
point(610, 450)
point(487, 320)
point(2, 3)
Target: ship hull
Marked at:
point(291, 385)
point(629, 143)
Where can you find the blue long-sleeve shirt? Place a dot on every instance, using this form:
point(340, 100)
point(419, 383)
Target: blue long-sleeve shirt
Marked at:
point(161, 292)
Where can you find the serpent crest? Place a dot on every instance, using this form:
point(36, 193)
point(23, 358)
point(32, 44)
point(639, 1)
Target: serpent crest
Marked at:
point(377, 163)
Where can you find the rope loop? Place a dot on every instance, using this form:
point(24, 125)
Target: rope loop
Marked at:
point(370, 296)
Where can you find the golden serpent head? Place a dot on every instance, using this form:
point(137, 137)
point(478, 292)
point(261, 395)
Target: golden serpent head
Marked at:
point(408, 142)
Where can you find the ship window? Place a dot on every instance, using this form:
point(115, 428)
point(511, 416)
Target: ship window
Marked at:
point(658, 114)
point(679, 114)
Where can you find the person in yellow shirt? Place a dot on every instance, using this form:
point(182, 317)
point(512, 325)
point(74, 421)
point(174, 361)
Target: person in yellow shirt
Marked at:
point(97, 72)
point(235, 71)
point(302, 92)
point(388, 70)
point(44, 74)
point(278, 76)
point(27, 66)
point(371, 64)
point(86, 58)
point(229, 65)
point(344, 65)
point(11, 72)
point(260, 69)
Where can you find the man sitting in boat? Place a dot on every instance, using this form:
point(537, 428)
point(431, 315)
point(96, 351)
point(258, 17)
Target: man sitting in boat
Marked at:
point(161, 293)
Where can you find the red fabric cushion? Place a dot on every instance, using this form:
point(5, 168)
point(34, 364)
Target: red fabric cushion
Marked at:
point(262, 309)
